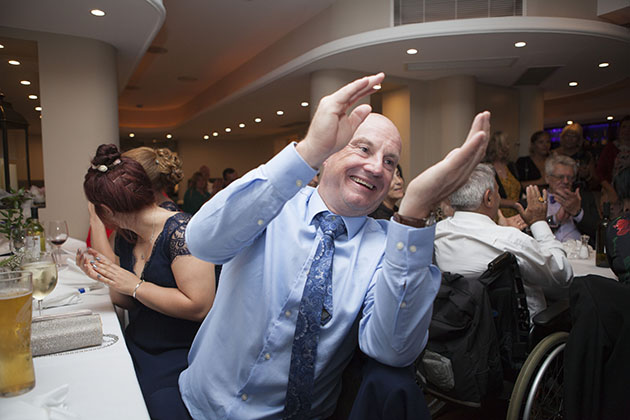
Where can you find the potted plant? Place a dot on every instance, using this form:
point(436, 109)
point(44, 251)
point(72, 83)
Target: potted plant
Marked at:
point(13, 224)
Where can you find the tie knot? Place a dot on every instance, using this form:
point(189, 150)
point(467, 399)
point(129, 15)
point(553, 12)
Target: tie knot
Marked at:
point(330, 224)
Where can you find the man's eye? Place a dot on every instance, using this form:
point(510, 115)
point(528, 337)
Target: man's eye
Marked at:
point(389, 162)
point(363, 149)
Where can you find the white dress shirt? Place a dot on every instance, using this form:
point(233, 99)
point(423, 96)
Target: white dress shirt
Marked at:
point(567, 229)
point(468, 241)
point(262, 229)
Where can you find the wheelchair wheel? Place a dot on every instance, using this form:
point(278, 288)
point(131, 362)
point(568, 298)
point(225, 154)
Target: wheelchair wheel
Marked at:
point(537, 393)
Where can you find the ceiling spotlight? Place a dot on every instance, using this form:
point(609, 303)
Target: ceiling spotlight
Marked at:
point(304, 104)
point(169, 136)
point(154, 141)
point(573, 84)
point(412, 51)
point(569, 122)
point(257, 119)
point(14, 62)
point(603, 65)
point(520, 44)
point(610, 117)
point(1, 46)
point(38, 108)
point(206, 137)
point(279, 112)
point(97, 12)
point(377, 87)
point(241, 125)
point(132, 135)
point(228, 129)
point(215, 134)
point(32, 96)
point(25, 82)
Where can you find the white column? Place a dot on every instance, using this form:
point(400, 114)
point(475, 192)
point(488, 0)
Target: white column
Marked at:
point(531, 115)
point(79, 98)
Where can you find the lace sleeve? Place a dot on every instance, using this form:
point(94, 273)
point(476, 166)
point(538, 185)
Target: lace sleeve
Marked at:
point(177, 243)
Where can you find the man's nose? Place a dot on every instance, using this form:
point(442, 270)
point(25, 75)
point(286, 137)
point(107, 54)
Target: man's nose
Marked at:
point(374, 165)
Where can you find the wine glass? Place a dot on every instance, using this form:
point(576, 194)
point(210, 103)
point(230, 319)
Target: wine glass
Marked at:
point(58, 234)
point(44, 270)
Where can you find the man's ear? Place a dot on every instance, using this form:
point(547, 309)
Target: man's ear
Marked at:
point(487, 198)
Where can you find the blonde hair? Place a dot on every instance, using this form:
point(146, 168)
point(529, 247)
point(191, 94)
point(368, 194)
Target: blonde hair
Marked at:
point(163, 166)
point(498, 141)
point(575, 127)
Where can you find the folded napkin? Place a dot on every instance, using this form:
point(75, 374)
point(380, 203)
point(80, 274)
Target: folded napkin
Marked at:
point(64, 299)
point(49, 406)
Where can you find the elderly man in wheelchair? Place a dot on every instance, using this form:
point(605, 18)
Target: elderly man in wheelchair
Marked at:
point(482, 329)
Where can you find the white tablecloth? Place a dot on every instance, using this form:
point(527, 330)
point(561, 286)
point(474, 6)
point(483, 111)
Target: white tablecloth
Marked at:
point(587, 266)
point(102, 382)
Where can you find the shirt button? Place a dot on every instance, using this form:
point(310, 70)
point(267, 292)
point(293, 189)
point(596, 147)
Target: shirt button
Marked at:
point(299, 183)
point(412, 248)
point(287, 314)
point(244, 397)
point(400, 246)
point(260, 222)
point(267, 356)
point(403, 304)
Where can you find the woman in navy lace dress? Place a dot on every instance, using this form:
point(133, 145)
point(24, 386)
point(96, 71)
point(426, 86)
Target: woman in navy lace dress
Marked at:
point(167, 291)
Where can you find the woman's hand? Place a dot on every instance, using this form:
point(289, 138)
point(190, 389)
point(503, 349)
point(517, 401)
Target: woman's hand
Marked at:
point(101, 269)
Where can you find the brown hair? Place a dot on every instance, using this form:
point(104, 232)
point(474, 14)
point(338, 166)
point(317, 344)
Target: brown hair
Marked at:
point(163, 166)
point(117, 182)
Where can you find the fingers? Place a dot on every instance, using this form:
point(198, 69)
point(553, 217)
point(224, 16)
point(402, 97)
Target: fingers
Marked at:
point(364, 88)
point(358, 115)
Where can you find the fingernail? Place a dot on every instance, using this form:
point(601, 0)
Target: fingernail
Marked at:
point(98, 259)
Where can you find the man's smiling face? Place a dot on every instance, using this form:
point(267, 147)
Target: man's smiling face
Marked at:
point(356, 179)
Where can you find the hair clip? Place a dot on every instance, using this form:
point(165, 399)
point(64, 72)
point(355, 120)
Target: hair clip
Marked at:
point(104, 168)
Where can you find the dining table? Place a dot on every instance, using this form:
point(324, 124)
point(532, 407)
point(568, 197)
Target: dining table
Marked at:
point(94, 383)
point(586, 266)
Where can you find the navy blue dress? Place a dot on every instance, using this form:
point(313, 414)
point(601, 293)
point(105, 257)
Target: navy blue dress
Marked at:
point(158, 343)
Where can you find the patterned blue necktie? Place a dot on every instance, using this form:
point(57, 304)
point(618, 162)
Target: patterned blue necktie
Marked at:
point(315, 311)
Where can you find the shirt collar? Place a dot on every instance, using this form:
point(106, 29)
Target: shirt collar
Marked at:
point(316, 205)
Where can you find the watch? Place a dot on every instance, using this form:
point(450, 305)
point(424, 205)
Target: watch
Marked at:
point(415, 222)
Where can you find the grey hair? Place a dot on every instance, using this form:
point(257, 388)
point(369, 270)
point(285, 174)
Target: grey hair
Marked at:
point(469, 196)
point(558, 159)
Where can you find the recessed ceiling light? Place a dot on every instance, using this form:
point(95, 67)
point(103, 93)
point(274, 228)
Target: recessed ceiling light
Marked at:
point(97, 12)
point(206, 137)
point(228, 129)
point(32, 96)
point(412, 51)
point(520, 44)
point(154, 141)
point(241, 125)
point(279, 112)
point(610, 117)
point(215, 134)
point(569, 122)
point(603, 65)
point(14, 62)
point(169, 136)
point(38, 108)
point(304, 104)
point(257, 119)
point(573, 84)
point(132, 135)
point(25, 82)
point(377, 87)
point(1, 46)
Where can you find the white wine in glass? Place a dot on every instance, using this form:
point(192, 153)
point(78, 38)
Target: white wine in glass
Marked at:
point(44, 272)
point(58, 234)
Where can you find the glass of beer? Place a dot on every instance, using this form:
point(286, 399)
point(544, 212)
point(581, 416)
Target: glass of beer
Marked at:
point(44, 270)
point(16, 361)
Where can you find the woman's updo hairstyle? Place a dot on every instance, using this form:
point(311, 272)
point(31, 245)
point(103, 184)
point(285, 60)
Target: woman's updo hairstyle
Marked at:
point(163, 166)
point(116, 181)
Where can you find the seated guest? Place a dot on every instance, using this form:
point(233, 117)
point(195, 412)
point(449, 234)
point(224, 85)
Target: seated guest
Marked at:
point(307, 275)
point(618, 234)
point(497, 154)
point(572, 145)
point(570, 213)
point(468, 241)
point(167, 291)
point(197, 194)
point(530, 170)
point(396, 191)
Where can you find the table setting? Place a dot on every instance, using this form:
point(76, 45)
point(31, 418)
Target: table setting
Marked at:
point(81, 366)
point(582, 258)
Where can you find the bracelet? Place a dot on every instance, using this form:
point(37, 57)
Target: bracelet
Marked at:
point(136, 288)
point(414, 222)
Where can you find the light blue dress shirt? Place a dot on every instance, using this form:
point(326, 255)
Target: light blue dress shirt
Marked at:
point(568, 229)
point(262, 229)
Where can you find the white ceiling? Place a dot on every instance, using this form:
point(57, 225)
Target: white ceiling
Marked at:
point(211, 42)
